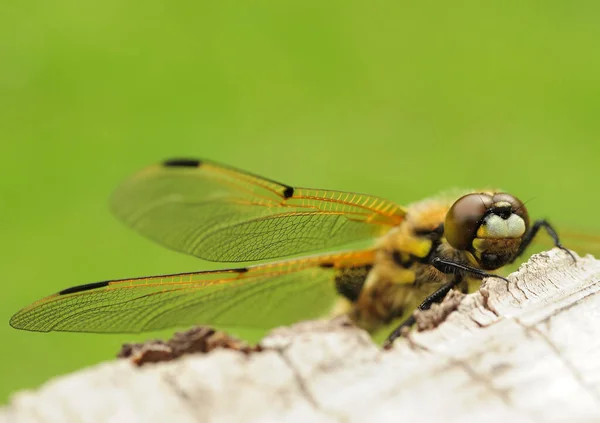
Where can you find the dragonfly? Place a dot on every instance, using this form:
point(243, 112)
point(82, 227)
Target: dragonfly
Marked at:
point(414, 257)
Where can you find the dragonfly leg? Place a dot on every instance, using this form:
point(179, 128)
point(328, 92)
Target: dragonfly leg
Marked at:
point(436, 297)
point(537, 225)
point(448, 267)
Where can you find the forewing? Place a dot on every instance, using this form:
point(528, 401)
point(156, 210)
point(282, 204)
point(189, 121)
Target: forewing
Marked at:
point(220, 213)
point(258, 297)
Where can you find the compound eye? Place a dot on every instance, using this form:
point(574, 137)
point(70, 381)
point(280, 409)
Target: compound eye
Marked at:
point(464, 217)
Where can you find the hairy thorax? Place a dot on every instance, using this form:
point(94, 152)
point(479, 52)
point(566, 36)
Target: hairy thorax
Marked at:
point(401, 277)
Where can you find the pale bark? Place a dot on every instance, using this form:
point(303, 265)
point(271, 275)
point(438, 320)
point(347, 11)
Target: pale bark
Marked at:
point(525, 351)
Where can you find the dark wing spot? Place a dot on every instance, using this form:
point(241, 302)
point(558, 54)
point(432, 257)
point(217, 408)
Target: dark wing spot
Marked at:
point(288, 192)
point(327, 265)
point(84, 287)
point(182, 163)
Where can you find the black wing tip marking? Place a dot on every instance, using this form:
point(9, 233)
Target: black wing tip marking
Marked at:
point(84, 287)
point(182, 162)
point(288, 192)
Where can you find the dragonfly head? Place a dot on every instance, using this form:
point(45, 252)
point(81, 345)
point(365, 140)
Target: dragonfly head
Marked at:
point(490, 226)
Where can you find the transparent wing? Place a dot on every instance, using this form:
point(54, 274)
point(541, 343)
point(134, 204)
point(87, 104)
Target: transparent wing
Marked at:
point(582, 242)
point(262, 296)
point(220, 213)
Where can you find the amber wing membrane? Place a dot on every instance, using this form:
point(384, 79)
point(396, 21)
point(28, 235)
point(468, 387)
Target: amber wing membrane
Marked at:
point(259, 297)
point(223, 214)
point(577, 240)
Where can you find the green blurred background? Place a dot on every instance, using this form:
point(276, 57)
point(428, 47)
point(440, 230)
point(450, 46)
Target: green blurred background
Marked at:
point(397, 100)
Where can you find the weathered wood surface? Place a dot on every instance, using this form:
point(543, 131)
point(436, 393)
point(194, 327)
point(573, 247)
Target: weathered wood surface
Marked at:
point(525, 351)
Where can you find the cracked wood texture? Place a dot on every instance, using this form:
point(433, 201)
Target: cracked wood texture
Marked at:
point(526, 351)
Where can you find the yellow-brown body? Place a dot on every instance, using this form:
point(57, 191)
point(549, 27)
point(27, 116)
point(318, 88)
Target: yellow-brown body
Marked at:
point(219, 213)
point(398, 281)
